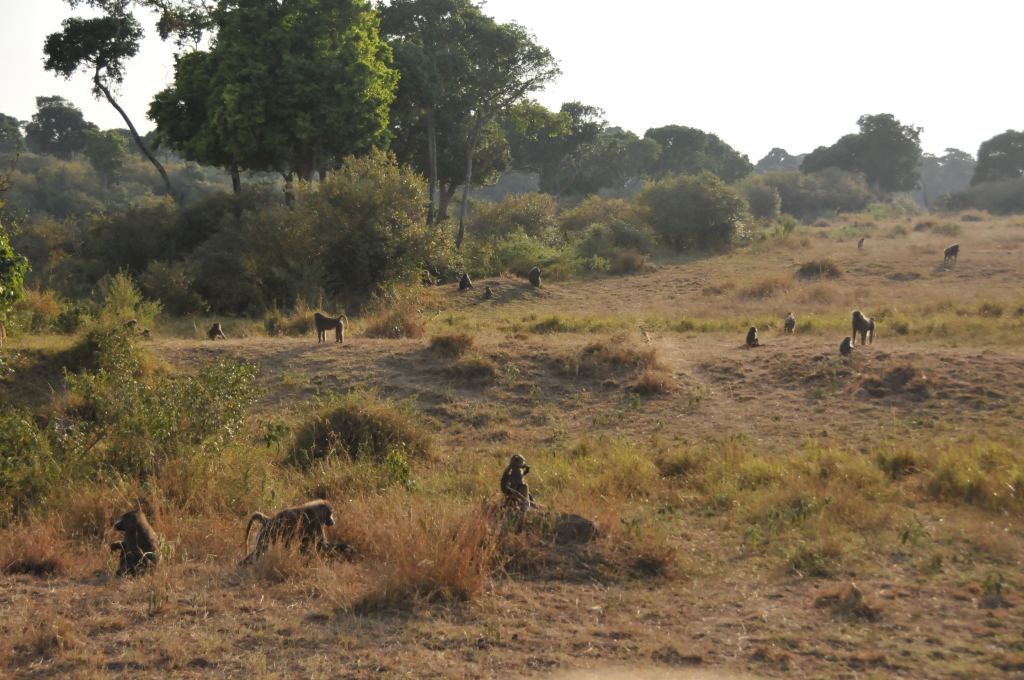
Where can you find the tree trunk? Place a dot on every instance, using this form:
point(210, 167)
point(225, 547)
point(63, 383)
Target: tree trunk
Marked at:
point(236, 181)
point(432, 151)
point(131, 128)
point(473, 141)
point(444, 199)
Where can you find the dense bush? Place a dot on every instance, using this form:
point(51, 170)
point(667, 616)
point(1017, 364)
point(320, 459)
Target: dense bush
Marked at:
point(693, 211)
point(812, 195)
point(596, 210)
point(533, 214)
point(998, 198)
point(763, 198)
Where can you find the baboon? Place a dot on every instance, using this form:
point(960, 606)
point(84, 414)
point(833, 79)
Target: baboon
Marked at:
point(465, 283)
point(534, 277)
point(863, 326)
point(130, 324)
point(487, 293)
point(3, 335)
point(860, 243)
point(789, 323)
point(950, 253)
point(146, 334)
point(513, 487)
point(327, 323)
point(752, 340)
point(305, 522)
point(138, 548)
point(216, 332)
point(846, 347)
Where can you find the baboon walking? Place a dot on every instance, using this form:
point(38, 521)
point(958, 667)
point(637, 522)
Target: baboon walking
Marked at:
point(513, 485)
point(950, 253)
point(216, 332)
point(303, 522)
point(328, 323)
point(789, 323)
point(846, 347)
point(752, 340)
point(863, 326)
point(534, 277)
point(465, 283)
point(138, 548)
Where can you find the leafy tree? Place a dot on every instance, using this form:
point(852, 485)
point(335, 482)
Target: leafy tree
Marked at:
point(106, 151)
point(945, 174)
point(1000, 158)
point(689, 151)
point(762, 197)
point(808, 196)
point(618, 160)
point(885, 151)
point(779, 160)
point(11, 140)
point(13, 266)
point(692, 212)
point(57, 128)
point(102, 45)
point(554, 145)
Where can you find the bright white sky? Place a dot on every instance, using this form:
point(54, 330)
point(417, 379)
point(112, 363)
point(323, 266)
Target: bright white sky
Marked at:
point(758, 73)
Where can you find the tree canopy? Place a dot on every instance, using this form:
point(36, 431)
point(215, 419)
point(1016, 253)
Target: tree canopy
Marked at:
point(1000, 158)
point(689, 151)
point(557, 146)
point(779, 160)
point(57, 128)
point(106, 151)
point(11, 139)
point(886, 152)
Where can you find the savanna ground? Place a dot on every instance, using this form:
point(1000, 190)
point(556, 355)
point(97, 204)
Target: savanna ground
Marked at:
point(777, 511)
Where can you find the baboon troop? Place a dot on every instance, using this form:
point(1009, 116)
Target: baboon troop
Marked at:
point(303, 522)
point(789, 323)
point(950, 253)
point(860, 243)
point(752, 340)
point(328, 323)
point(487, 293)
point(534, 277)
point(864, 326)
point(216, 332)
point(465, 283)
point(138, 548)
point(846, 347)
point(513, 485)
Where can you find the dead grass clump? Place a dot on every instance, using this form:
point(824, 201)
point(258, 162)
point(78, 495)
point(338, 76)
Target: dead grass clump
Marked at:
point(898, 463)
point(279, 563)
point(678, 464)
point(823, 293)
point(822, 223)
point(88, 513)
point(625, 261)
point(947, 229)
point(925, 225)
point(824, 268)
point(475, 367)
point(360, 426)
point(654, 557)
point(849, 601)
point(452, 344)
point(721, 289)
point(767, 286)
point(34, 548)
point(602, 356)
point(396, 322)
point(49, 634)
point(652, 382)
point(990, 309)
point(974, 216)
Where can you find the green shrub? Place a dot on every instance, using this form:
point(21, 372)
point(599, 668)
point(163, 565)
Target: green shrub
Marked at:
point(947, 229)
point(693, 211)
point(763, 198)
point(172, 283)
point(809, 196)
point(999, 198)
point(122, 301)
point(533, 214)
point(518, 253)
point(596, 210)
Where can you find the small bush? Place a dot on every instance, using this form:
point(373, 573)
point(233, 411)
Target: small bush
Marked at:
point(947, 229)
point(36, 312)
point(599, 357)
point(652, 382)
point(925, 225)
point(533, 214)
point(767, 287)
point(396, 322)
point(453, 344)
point(763, 198)
point(990, 309)
point(596, 210)
point(37, 549)
point(693, 212)
point(625, 261)
point(973, 216)
point(811, 195)
point(474, 367)
point(825, 268)
point(360, 426)
point(1003, 197)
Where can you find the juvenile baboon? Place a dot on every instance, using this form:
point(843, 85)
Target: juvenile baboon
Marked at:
point(863, 326)
point(513, 487)
point(950, 253)
point(534, 277)
point(752, 340)
point(216, 332)
point(846, 347)
point(327, 323)
point(487, 293)
point(789, 323)
point(146, 334)
point(860, 243)
point(130, 324)
point(305, 522)
point(138, 548)
point(465, 283)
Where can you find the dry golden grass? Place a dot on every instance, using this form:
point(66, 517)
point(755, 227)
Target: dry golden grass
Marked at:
point(452, 344)
point(396, 322)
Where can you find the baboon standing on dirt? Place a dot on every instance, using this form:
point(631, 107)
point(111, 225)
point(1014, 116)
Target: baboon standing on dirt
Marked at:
point(513, 485)
point(534, 277)
point(789, 323)
point(846, 347)
point(329, 323)
point(863, 326)
point(305, 522)
point(950, 253)
point(138, 548)
point(465, 283)
point(216, 332)
point(752, 340)
point(487, 293)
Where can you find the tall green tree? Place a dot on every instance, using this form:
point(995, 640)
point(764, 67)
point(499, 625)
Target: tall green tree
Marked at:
point(13, 266)
point(945, 174)
point(999, 158)
point(57, 128)
point(689, 151)
point(106, 152)
point(887, 152)
point(779, 160)
point(618, 161)
point(11, 139)
point(555, 145)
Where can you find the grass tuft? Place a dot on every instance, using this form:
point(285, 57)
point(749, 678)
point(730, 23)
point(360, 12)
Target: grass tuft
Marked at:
point(822, 268)
point(394, 323)
point(452, 344)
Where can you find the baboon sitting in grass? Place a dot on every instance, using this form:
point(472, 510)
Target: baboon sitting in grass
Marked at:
point(465, 283)
point(487, 293)
point(303, 522)
point(846, 347)
point(950, 253)
point(513, 485)
point(789, 323)
point(534, 277)
point(329, 323)
point(864, 326)
point(752, 340)
point(860, 243)
point(138, 548)
point(216, 332)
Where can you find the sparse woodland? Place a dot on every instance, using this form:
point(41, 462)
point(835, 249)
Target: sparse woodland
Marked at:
point(778, 510)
